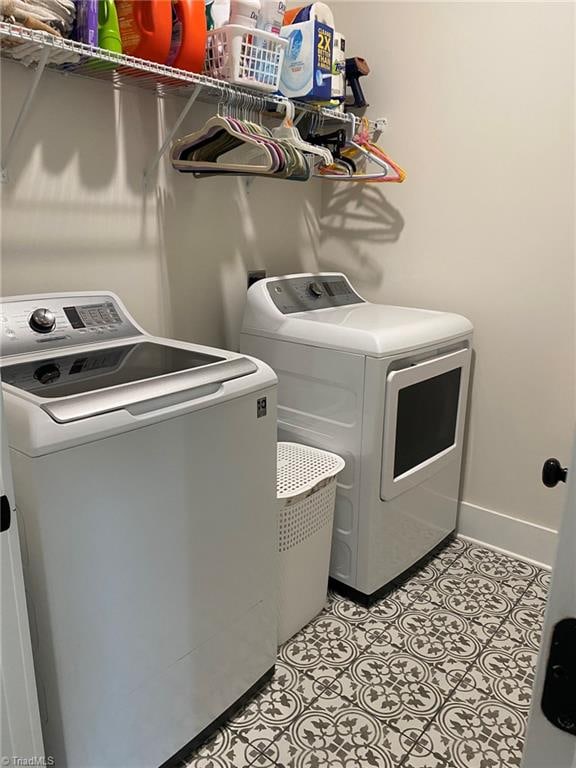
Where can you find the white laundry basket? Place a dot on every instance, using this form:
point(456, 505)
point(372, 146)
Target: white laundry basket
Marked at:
point(242, 56)
point(306, 492)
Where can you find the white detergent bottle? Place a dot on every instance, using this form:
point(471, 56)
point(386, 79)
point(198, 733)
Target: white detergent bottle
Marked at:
point(244, 12)
point(271, 16)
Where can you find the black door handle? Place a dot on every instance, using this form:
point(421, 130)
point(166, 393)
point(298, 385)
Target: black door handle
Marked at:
point(5, 514)
point(553, 473)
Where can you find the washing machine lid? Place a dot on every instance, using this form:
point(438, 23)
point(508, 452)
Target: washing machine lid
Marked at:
point(91, 382)
point(339, 318)
point(101, 368)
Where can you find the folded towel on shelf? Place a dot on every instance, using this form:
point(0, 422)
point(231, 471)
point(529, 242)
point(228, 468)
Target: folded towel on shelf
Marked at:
point(54, 17)
point(58, 14)
point(7, 14)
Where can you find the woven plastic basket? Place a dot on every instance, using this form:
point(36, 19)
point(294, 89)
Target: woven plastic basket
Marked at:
point(306, 491)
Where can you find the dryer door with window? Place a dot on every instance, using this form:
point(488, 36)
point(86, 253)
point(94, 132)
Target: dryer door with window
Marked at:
point(424, 420)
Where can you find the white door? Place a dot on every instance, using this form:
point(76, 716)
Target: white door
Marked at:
point(546, 745)
point(20, 732)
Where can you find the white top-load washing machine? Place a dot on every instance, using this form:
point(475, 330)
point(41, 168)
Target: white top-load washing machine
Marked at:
point(145, 478)
point(386, 388)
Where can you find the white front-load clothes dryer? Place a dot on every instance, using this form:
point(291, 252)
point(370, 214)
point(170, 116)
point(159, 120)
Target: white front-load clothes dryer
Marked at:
point(145, 480)
point(385, 387)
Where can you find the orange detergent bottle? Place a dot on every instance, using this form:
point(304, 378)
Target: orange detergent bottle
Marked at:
point(145, 28)
point(188, 35)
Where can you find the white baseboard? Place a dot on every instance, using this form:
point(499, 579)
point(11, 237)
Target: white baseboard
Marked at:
point(527, 541)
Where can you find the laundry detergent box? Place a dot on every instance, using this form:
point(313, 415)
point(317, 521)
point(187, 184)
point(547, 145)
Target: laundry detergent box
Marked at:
point(307, 69)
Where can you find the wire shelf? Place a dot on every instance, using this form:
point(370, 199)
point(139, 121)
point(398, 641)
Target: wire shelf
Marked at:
point(41, 50)
point(72, 57)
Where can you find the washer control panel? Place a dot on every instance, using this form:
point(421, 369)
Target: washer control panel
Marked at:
point(55, 322)
point(308, 292)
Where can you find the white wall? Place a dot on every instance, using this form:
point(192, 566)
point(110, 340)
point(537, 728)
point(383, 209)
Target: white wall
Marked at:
point(480, 101)
point(74, 215)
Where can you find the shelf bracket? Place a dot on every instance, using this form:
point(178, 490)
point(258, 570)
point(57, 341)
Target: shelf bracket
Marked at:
point(24, 109)
point(299, 117)
point(153, 164)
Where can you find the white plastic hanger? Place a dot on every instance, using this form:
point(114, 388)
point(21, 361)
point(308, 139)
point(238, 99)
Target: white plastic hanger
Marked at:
point(203, 143)
point(287, 130)
point(231, 143)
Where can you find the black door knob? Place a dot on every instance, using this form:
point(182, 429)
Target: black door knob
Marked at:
point(553, 473)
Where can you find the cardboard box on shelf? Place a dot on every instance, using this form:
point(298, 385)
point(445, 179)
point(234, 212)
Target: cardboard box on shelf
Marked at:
point(307, 70)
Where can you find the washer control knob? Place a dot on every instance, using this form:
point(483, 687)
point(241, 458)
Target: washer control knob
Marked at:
point(316, 289)
point(42, 320)
point(47, 373)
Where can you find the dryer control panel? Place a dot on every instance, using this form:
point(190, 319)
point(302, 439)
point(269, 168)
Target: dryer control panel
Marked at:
point(28, 324)
point(306, 292)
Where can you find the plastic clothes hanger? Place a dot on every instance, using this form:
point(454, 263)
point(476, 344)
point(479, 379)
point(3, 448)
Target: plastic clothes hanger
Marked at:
point(288, 131)
point(296, 166)
point(200, 151)
point(336, 141)
point(362, 144)
point(361, 149)
point(250, 148)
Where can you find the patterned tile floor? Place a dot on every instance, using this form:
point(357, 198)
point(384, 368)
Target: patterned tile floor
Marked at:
point(436, 675)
